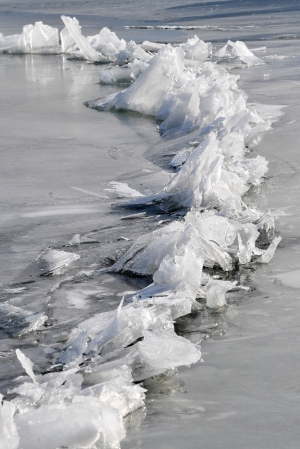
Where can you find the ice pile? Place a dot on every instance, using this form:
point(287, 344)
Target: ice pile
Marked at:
point(239, 50)
point(54, 261)
point(103, 47)
point(84, 404)
point(185, 94)
point(37, 38)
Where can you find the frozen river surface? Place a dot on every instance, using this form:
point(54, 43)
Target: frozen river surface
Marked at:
point(64, 165)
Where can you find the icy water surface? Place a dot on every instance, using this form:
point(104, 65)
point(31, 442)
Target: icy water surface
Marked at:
point(62, 167)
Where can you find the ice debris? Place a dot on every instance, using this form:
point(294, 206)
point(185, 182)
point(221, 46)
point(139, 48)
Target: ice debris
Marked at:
point(186, 90)
point(38, 38)
point(54, 261)
point(240, 50)
point(185, 97)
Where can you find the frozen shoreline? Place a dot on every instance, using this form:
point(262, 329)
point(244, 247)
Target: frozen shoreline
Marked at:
point(229, 332)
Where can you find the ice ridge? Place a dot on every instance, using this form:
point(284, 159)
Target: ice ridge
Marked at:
point(108, 354)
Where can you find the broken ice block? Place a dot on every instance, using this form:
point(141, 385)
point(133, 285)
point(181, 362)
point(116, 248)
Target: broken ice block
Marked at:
point(9, 438)
point(38, 38)
point(164, 350)
point(239, 49)
point(54, 261)
point(73, 33)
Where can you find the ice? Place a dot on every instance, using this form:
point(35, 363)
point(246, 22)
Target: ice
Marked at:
point(183, 96)
point(37, 38)
point(72, 33)
point(149, 251)
point(166, 350)
point(119, 392)
point(269, 253)
point(9, 438)
point(126, 327)
point(182, 86)
point(26, 363)
point(291, 278)
point(79, 424)
point(216, 290)
point(115, 75)
point(180, 158)
point(67, 415)
point(40, 38)
point(166, 67)
point(153, 47)
point(197, 49)
point(123, 189)
point(250, 170)
point(133, 52)
point(107, 43)
point(77, 346)
point(18, 320)
point(239, 49)
point(54, 261)
point(123, 74)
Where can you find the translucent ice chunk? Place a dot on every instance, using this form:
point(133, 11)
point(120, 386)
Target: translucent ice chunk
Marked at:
point(239, 49)
point(54, 261)
point(37, 38)
point(74, 33)
point(250, 170)
point(40, 38)
point(200, 173)
point(26, 363)
point(119, 392)
point(269, 253)
point(133, 51)
point(163, 70)
point(247, 236)
point(164, 350)
point(22, 321)
point(153, 47)
point(180, 158)
point(115, 75)
point(216, 292)
point(107, 43)
point(9, 438)
point(76, 348)
point(123, 189)
point(197, 49)
point(11, 44)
